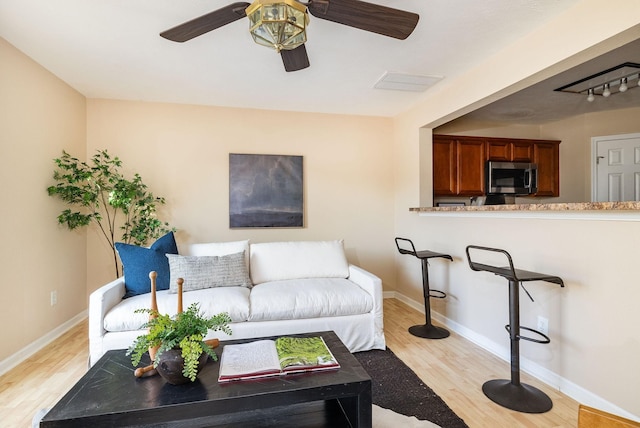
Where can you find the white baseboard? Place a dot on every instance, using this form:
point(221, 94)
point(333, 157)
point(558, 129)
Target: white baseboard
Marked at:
point(14, 360)
point(541, 373)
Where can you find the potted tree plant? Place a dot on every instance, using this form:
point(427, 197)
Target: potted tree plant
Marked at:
point(101, 194)
point(179, 341)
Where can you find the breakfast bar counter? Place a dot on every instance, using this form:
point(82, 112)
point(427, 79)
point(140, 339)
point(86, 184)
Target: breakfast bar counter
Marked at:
point(569, 206)
point(583, 210)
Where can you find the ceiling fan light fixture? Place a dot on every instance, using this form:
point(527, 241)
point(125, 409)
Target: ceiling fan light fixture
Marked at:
point(278, 24)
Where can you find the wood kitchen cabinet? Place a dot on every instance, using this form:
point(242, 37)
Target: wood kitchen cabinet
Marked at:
point(547, 156)
point(458, 166)
point(470, 160)
point(459, 162)
point(444, 167)
point(522, 151)
point(509, 150)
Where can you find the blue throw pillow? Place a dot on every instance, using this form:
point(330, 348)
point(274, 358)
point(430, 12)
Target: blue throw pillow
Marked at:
point(137, 262)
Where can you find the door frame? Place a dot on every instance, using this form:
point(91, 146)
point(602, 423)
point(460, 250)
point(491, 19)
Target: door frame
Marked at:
point(594, 160)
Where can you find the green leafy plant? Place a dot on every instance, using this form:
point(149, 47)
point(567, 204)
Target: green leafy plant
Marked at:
point(186, 330)
point(101, 194)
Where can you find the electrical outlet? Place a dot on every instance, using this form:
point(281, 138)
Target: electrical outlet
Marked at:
point(543, 325)
point(54, 297)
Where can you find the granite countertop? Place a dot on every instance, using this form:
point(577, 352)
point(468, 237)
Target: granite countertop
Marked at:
point(573, 206)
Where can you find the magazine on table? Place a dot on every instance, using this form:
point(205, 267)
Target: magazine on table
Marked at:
point(263, 358)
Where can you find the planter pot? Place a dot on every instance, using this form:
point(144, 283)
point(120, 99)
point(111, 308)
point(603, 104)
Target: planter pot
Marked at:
point(171, 365)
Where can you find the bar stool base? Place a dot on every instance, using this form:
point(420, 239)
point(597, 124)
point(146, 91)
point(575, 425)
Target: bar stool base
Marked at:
point(522, 398)
point(429, 331)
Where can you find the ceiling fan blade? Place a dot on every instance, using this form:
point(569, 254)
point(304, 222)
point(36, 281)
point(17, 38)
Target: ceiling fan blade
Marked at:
point(206, 23)
point(295, 59)
point(366, 16)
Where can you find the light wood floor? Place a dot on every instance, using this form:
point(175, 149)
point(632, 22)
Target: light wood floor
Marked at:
point(453, 367)
point(456, 369)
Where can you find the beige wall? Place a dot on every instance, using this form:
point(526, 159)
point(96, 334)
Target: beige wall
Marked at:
point(39, 117)
point(593, 320)
point(182, 153)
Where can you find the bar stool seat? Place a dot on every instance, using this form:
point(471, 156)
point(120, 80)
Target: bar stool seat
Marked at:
point(516, 274)
point(511, 393)
point(426, 330)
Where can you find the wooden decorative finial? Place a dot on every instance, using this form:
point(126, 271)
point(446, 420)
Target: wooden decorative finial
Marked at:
point(180, 281)
point(153, 275)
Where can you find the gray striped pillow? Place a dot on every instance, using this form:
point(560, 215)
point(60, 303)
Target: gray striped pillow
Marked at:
point(201, 272)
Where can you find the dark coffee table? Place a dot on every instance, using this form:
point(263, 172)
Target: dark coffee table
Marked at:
point(109, 395)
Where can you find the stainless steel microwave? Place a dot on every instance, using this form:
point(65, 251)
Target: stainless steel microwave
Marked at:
point(511, 178)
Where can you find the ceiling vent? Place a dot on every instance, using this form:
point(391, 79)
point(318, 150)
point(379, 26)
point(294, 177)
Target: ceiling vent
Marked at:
point(406, 82)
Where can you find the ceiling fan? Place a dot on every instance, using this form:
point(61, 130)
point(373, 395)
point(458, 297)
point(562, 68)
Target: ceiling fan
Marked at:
point(281, 24)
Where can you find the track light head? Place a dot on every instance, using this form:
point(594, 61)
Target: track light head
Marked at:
point(623, 85)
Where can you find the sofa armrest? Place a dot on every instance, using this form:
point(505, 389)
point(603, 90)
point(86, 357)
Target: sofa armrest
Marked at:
point(372, 285)
point(367, 281)
point(100, 302)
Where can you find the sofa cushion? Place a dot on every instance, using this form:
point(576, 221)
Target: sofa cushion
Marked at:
point(308, 298)
point(219, 249)
point(275, 261)
point(137, 262)
point(212, 301)
point(201, 272)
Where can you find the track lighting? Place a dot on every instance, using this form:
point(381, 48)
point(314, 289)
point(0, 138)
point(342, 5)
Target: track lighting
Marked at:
point(618, 85)
point(613, 86)
point(619, 79)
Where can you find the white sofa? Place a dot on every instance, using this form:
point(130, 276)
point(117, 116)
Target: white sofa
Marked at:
point(296, 287)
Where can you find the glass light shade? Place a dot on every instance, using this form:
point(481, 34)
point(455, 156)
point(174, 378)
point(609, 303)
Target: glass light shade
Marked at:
point(590, 96)
point(278, 24)
point(606, 92)
point(623, 85)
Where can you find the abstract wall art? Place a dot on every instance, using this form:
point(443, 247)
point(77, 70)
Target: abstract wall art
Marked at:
point(265, 191)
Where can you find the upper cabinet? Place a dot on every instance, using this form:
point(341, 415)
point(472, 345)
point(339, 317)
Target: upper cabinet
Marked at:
point(470, 161)
point(509, 150)
point(445, 166)
point(458, 165)
point(459, 162)
point(547, 156)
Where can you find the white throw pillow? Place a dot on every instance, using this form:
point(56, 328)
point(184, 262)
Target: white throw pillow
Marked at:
point(275, 261)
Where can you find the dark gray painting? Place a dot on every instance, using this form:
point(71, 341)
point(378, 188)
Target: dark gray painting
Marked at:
point(265, 191)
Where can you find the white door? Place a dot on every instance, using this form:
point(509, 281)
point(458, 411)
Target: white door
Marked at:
point(616, 168)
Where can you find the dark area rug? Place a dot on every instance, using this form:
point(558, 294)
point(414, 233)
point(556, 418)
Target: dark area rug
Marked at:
point(396, 387)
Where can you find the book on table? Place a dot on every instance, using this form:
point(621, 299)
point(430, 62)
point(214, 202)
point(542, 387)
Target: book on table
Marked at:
point(263, 358)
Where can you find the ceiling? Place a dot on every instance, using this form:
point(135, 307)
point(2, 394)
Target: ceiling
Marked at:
point(111, 49)
point(540, 103)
